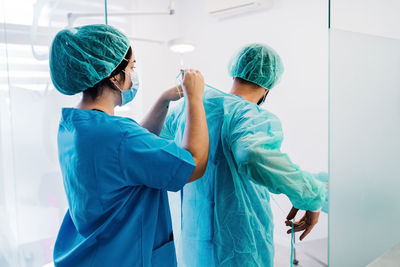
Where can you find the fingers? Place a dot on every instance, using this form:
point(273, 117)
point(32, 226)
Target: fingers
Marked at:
point(306, 232)
point(311, 218)
point(178, 85)
point(191, 71)
point(292, 214)
point(179, 90)
point(306, 223)
point(193, 84)
point(299, 227)
point(289, 223)
point(303, 226)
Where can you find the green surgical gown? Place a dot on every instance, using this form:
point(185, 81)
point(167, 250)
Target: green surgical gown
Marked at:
point(226, 215)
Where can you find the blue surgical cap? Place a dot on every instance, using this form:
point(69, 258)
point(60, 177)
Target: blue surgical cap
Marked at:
point(81, 57)
point(257, 63)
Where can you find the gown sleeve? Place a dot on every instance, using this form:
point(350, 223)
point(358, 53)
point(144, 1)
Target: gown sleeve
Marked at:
point(255, 139)
point(171, 123)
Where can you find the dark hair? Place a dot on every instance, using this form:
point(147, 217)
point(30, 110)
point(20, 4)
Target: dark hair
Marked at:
point(243, 81)
point(98, 88)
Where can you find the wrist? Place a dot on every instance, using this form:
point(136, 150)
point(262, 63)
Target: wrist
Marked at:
point(164, 99)
point(195, 98)
point(317, 210)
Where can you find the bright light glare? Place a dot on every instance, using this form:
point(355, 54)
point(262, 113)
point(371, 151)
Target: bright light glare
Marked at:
point(181, 45)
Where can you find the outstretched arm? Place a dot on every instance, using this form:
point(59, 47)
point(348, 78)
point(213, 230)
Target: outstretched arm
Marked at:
point(255, 139)
point(155, 118)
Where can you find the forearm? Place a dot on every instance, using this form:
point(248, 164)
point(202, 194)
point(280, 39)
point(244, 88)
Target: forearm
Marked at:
point(155, 118)
point(274, 170)
point(303, 190)
point(195, 137)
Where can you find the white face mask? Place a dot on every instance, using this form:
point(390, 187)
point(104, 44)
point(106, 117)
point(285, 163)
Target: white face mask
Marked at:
point(128, 95)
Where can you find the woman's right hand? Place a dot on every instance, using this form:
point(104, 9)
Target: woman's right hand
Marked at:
point(193, 83)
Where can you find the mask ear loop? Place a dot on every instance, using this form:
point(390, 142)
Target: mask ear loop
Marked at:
point(263, 99)
point(113, 80)
point(127, 60)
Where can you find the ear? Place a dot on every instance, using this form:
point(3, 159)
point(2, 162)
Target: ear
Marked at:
point(116, 78)
point(112, 78)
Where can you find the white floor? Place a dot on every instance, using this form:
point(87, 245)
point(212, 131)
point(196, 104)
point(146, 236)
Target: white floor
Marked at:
point(309, 254)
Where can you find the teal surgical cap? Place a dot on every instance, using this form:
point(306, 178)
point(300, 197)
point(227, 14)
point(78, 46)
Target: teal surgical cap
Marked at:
point(81, 57)
point(257, 63)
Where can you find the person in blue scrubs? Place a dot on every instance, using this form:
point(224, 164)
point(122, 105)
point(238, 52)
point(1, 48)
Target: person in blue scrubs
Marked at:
point(226, 215)
point(116, 171)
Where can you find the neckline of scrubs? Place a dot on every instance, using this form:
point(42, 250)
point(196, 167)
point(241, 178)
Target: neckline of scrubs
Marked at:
point(98, 110)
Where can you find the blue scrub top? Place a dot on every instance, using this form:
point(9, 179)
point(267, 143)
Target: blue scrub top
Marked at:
point(116, 176)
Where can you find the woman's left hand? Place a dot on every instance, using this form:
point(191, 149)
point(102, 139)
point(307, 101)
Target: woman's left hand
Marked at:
point(172, 94)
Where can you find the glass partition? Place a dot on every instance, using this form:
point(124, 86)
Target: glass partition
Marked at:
point(364, 130)
point(364, 147)
point(32, 198)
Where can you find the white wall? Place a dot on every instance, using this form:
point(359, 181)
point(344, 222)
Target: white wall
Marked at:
point(375, 17)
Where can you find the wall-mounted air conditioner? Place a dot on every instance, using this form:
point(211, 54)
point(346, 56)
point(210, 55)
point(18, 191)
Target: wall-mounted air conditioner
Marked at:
point(234, 7)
